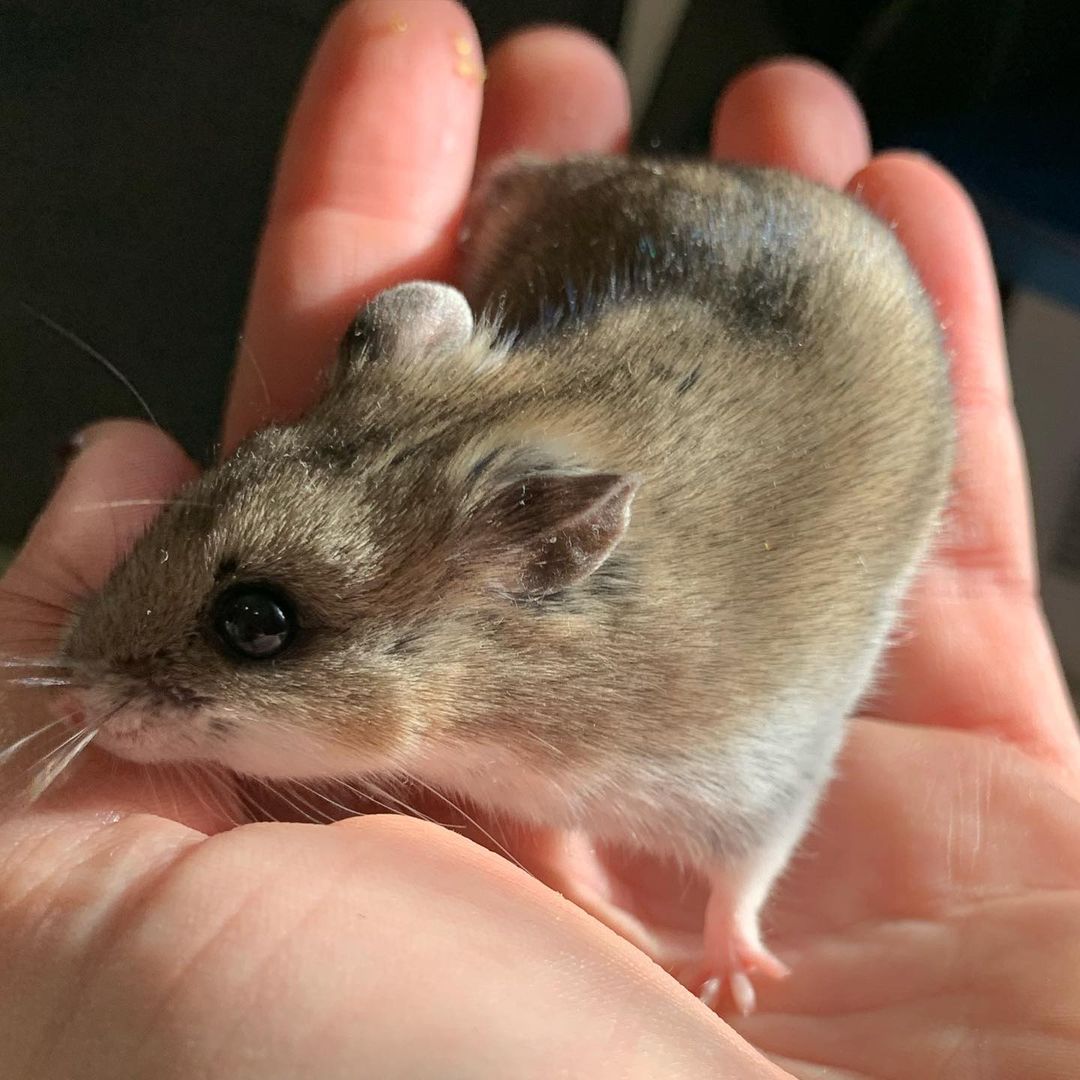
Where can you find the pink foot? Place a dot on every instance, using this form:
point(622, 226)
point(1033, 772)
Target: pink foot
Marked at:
point(734, 952)
point(734, 969)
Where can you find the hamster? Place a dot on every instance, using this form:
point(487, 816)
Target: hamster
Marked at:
point(619, 554)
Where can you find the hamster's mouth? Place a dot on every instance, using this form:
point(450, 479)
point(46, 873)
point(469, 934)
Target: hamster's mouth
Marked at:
point(132, 741)
point(124, 730)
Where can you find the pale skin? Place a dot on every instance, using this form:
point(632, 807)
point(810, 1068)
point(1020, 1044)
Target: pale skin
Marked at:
point(931, 920)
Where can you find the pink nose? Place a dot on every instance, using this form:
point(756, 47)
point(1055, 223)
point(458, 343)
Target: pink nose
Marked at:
point(69, 709)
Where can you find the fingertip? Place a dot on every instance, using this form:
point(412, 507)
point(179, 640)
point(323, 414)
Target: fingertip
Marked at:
point(373, 175)
point(119, 461)
point(392, 99)
point(982, 577)
point(553, 91)
point(795, 114)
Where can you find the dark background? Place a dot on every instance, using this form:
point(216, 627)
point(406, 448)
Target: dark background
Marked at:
point(137, 141)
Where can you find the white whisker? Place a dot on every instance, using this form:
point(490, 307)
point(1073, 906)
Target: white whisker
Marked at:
point(246, 350)
point(120, 503)
point(15, 746)
point(45, 779)
point(368, 786)
point(30, 662)
point(351, 811)
point(210, 789)
point(149, 771)
point(276, 791)
point(502, 848)
point(39, 680)
point(59, 748)
point(320, 813)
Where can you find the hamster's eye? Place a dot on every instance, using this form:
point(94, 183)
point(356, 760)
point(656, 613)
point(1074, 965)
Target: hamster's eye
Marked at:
point(254, 621)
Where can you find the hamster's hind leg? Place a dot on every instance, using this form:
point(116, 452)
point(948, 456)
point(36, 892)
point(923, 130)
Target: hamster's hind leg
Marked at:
point(732, 948)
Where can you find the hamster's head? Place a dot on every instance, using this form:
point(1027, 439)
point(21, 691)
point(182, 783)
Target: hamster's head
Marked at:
point(324, 601)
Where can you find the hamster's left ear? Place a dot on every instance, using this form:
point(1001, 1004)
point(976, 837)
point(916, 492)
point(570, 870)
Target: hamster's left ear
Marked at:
point(407, 323)
point(550, 530)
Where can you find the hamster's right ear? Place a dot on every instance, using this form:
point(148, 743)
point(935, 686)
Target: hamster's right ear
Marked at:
point(549, 530)
point(406, 323)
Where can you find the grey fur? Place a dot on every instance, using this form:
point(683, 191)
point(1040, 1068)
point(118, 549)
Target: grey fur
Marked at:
point(754, 348)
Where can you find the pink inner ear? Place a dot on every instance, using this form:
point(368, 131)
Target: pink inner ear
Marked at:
point(552, 530)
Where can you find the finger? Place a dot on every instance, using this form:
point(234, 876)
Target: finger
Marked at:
point(403, 941)
point(82, 531)
point(793, 114)
point(979, 655)
point(375, 167)
point(589, 113)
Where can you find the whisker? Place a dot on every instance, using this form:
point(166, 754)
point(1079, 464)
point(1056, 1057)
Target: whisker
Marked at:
point(246, 350)
point(31, 662)
point(47, 773)
point(38, 680)
point(47, 777)
point(149, 771)
point(351, 811)
point(187, 772)
point(277, 792)
point(368, 789)
point(108, 365)
point(59, 748)
point(253, 808)
point(171, 782)
point(370, 792)
point(215, 781)
point(547, 745)
point(314, 810)
point(502, 848)
point(403, 804)
point(19, 743)
point(117, 504)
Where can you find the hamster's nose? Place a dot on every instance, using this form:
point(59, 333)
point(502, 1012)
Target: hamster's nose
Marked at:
point(69, 710)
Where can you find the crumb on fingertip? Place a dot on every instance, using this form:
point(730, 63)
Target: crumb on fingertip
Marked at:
point(466, 69)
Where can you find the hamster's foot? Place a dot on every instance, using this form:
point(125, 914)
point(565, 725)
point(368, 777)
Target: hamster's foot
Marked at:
point(733, 952)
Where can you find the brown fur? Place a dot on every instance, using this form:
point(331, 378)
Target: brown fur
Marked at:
point(755, 348)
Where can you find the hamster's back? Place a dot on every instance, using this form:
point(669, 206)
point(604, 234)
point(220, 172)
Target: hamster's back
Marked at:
point(759, 348)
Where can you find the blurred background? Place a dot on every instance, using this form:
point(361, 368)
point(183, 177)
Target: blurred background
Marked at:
point(138, 139)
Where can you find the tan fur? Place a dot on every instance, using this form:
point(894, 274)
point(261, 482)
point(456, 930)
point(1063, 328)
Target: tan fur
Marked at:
point(755, 347)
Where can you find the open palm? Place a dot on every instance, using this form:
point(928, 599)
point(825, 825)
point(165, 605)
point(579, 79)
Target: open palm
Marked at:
point(932, 918)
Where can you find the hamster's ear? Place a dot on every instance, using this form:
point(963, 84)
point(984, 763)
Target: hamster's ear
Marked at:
point(407, 323)
point(550, 530)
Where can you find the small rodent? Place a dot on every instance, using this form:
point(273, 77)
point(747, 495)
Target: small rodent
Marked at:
point(620, 555)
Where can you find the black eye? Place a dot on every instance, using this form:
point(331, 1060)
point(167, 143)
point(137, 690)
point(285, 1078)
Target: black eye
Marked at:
point(255, 621)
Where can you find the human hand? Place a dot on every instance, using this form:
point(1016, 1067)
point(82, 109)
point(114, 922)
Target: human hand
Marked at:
point(931, 920)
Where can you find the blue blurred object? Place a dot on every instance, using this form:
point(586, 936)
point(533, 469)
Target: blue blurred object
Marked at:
point(1024, 173)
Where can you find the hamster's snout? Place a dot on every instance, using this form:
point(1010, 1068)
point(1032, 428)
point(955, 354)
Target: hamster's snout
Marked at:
point(123, 728)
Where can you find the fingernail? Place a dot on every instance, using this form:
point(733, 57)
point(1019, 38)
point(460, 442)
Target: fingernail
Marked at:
point(78, 442)
point(70, 450)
